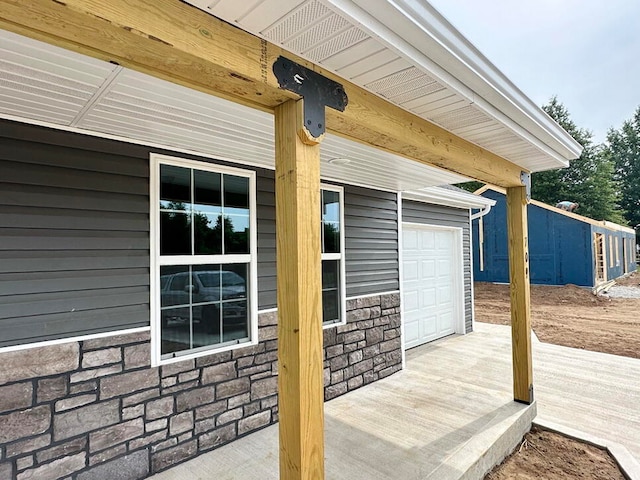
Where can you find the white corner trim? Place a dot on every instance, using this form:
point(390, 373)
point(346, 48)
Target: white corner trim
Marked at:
point(403, 348)
point(79, 338)
point(471, 266)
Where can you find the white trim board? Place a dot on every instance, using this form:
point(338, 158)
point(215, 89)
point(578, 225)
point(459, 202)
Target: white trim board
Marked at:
point(79, 338)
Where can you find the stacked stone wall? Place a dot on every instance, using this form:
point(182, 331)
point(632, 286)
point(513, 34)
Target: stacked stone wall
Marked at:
point(96, 409)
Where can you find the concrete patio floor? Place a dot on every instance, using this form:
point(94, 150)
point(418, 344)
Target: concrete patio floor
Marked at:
point(450, 413)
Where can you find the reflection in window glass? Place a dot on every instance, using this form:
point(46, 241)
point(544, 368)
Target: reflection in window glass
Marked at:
point(330, 221)
point(207, 233)
point(207, 193)
point(330, 291)
point(175, 185)
point(331, 255)
point(236, 234)
point(236, 192)
point(175, 233)
point(203, 305)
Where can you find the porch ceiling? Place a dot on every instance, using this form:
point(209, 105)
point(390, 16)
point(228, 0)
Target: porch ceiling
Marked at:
point(47, 84)
point(407, 53)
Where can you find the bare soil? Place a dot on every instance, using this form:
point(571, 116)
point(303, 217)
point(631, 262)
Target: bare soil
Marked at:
point(571, 316)
point(547, 455)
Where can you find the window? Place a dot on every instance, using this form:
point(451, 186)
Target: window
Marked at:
point(332, 243)
point(203, 252)
point(617, 247)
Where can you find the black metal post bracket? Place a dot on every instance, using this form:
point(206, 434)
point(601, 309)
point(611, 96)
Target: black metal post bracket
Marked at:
point(525, 178)
point(316, 90)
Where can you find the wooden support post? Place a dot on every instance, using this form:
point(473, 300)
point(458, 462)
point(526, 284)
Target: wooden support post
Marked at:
point(520, 294)
point(300, 371)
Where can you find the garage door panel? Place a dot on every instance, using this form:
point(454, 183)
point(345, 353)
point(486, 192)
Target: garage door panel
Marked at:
point(411, 301)
point(431, 277)
point(444, 240)
point(427, 240)
point(429, 328)
point(427, 269)
point(410, 241)
point(412, 333)
point(428, 298)
point(444, 297)
point(410, 270)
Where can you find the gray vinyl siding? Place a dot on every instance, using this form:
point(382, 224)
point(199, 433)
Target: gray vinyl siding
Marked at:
point(425, 213)
point(266, 200)
point(74, 236)
point(371, 237)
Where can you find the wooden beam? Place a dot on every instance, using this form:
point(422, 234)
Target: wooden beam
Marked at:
point(180, 43)
point(520, 294)
point(300, 368)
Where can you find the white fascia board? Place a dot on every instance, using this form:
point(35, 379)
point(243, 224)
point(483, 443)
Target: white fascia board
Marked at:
point(416, 31)
point(450, 198)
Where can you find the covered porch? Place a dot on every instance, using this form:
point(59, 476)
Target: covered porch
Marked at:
point(448, 415)
point(416, 421)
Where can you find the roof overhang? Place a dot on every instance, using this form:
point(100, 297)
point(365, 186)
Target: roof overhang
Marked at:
point(173, 41)
point(415, 59)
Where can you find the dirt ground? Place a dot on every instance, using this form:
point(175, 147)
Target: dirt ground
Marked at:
point(545, 455)
point(571, 316)
point(574, 317)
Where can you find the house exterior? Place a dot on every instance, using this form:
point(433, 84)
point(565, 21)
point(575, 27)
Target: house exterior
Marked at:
point(143, 301)
point(565, 248)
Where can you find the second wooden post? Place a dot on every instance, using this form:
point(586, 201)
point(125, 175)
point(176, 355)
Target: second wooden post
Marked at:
point(300, 371)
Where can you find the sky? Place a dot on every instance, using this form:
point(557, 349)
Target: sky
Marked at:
point(585, 52)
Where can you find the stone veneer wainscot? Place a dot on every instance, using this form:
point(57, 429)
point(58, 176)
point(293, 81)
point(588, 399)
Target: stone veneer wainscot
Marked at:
point(86, 410)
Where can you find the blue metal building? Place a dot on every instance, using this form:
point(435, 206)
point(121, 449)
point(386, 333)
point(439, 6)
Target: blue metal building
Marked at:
point(564, 248)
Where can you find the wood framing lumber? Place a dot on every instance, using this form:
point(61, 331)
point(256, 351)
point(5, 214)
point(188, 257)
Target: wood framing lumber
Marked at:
point(300, 361)
point(180, 43)
point(520, 294)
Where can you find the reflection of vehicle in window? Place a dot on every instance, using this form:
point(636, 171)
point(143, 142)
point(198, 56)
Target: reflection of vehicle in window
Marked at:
point(203, 297)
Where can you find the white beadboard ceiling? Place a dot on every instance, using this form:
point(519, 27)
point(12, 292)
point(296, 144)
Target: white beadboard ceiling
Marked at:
point(407, 53)
point(40, 83)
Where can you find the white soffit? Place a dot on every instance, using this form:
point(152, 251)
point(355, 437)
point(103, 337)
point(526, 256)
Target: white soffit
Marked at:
point(407, 53)
point(40, 83)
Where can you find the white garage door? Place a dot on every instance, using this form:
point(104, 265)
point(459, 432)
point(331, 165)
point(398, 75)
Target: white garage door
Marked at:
point(432, 292)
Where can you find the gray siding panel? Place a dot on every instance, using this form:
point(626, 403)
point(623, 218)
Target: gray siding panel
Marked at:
point(425, 213)
point(371, 238)
point(74, 230)
point(266, 200)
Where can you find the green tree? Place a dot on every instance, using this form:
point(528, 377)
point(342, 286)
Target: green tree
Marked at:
point(624, 151)
point(588, 180)
point(470, 186)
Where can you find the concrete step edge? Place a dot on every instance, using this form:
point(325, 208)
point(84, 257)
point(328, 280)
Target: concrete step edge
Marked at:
point(628, 464)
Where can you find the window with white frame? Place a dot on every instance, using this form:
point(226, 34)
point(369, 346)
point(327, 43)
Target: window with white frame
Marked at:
point(332, 243)
point(204, 256)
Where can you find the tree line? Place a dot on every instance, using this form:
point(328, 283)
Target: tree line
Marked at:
point(604, 180)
